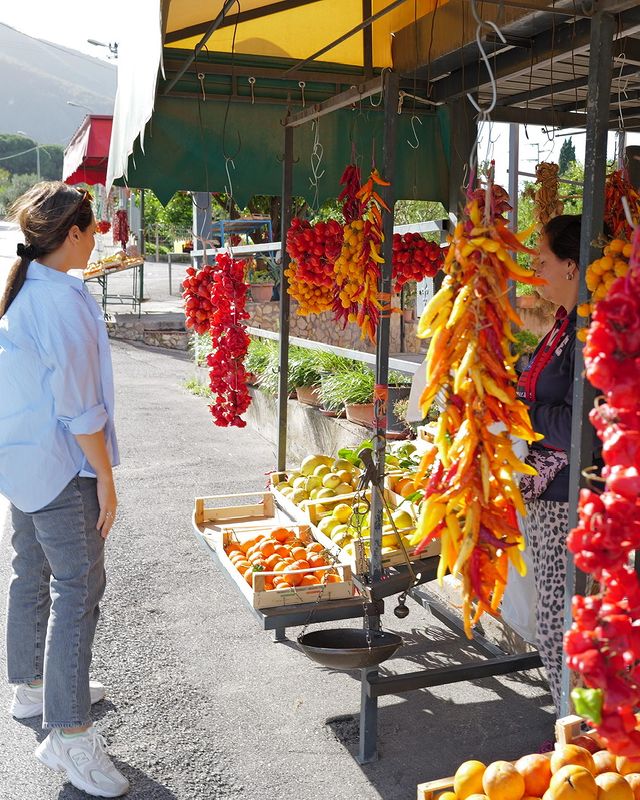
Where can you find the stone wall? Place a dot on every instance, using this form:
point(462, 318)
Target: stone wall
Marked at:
point(323, 328)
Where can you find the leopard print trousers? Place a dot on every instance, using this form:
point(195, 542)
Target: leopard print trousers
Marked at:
point(546, 527)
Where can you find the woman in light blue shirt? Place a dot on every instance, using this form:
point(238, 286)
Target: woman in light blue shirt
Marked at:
point(57, 450)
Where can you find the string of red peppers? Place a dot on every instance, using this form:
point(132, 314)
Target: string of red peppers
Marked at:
point(603, 644)
point(215, 301)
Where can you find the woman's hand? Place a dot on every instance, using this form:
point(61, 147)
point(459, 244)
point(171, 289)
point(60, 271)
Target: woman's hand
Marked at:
point(108, 503)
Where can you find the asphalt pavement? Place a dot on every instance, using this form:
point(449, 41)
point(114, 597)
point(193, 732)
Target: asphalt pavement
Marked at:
point(202, 704)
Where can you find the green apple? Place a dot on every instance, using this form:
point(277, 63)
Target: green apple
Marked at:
point(403, 519)
point(327, 524)
point(299, 496)
point(309, 464)
point(313, 494)
point(331, 480)
point(313, 482)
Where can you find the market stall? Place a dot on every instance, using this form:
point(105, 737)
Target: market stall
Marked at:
point(202, 71)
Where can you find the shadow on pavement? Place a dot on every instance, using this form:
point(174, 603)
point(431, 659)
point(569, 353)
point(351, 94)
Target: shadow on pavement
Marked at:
point(98, 711)
point(142, 786)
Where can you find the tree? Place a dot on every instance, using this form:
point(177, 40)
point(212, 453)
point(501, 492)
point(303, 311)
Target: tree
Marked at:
point(12, 187)
point(14, 159)
point(567, 155)
point(172, 221)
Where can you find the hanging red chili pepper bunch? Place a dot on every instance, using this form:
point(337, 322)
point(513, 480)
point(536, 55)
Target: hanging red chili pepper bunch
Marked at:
point(121, 228)
point(414, 259)
point(618, 186)
point(603, 644)
point(227, 376)
point(313, 250)
point(197, 298)
point(352, 206)
point(103, 226)
point(357, 270)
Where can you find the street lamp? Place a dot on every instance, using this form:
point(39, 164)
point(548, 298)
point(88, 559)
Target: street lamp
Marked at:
point(79, 105)
point(22, 133)
point(112, 47)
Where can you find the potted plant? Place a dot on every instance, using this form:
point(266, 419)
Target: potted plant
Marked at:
point(409, 295)
point(399, 389)
point(356, 387)
point(260, 280)
point(304, 375)
point(526, 342)
point(329, 393)
point(257, 359)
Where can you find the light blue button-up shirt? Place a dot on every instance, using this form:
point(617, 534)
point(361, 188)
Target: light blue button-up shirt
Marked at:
point(56, 381)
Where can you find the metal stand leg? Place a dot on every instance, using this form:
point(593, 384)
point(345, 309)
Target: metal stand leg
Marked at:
point(169, 263)
point(368, 749)
point(279, 634)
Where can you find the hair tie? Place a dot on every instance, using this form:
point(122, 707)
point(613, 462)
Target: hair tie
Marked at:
point(26, 251)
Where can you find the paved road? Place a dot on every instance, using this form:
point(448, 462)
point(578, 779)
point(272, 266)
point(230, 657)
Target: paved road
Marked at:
point(202, 704)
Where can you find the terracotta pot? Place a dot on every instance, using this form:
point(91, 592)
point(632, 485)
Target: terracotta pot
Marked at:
point(407, 314)
point(527, 301)
point(261, 292)
point(360, 413)
point(333, 414)
point(308, 395)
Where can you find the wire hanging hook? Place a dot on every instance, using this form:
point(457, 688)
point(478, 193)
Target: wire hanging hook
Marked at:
point(252, 82)
point(201, 77)
point(413, 121)
point(302, 84)
point(316, 160)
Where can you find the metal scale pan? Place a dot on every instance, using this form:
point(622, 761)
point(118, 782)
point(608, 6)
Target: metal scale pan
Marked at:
point(349, 648)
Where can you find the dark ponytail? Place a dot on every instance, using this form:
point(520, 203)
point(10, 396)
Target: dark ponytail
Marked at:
point(45, 214)
point(563, 236)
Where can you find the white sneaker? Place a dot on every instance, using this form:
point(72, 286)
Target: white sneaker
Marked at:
point(27, 700)
point(85, 761)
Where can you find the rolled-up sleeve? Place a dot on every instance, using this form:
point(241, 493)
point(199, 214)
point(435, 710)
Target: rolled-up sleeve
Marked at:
point(70, 352)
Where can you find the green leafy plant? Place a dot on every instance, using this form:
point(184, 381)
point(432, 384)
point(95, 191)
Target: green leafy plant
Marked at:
point(269, 379)
point(197, 387)
point(526, 342)
point(351, 384)
point(258, 355)
point(398, 379)
point(304, 369)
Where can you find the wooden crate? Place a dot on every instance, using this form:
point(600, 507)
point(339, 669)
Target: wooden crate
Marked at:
point(219, 524)
point(566, 729)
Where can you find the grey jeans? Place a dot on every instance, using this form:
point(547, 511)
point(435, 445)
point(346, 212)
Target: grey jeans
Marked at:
point(57, 583)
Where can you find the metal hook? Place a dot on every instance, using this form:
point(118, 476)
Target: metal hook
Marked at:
point(252, 82)
point(413, 121)
point(201, 77)
point(302, 84)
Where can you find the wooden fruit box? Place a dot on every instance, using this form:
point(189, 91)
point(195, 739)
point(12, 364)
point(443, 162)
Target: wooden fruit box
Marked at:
point(219, 525)
point(567, 729)
point(388, 559)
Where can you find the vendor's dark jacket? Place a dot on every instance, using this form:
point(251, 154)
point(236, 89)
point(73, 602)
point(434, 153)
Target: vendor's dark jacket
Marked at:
point(551, 407)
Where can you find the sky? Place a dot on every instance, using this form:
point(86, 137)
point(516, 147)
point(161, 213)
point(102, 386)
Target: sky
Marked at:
point(68, 22)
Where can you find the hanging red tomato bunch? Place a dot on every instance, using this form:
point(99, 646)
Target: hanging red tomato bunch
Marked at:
point(414, 259)
point(103, 226)
point(215, 301)
point(197, 298)
point(603, 643)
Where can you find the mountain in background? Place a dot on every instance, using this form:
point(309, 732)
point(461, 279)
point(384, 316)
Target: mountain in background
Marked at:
point(36, 80)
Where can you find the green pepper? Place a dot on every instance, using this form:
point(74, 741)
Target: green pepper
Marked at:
point(588, 703)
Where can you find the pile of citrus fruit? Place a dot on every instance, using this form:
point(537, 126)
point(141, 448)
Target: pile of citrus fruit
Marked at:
point(282, 554)
point(571, 772)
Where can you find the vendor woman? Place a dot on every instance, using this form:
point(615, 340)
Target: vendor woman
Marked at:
point(546, 386)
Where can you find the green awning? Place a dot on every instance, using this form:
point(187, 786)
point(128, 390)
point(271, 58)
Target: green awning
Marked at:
point(188, 147)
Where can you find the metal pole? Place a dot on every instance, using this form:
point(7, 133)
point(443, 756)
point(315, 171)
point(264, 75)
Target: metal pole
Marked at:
point(285, 223)
point(368, 705)
point(142, 247)
point(603, 28)
point(514, 162)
